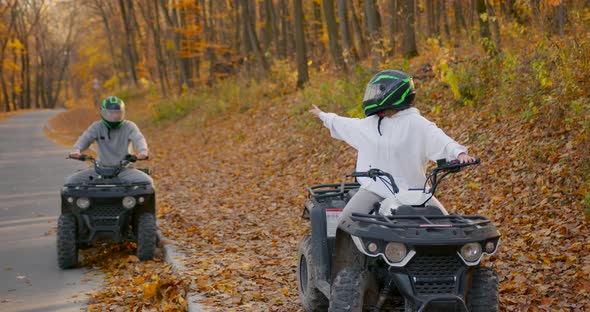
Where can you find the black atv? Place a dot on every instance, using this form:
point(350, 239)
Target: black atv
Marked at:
point(400, 256)
point(105, 208)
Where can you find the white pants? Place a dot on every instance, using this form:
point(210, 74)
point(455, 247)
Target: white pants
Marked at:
point(364, 201)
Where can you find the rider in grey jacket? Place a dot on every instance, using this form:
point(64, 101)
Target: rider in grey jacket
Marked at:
point(112, 135)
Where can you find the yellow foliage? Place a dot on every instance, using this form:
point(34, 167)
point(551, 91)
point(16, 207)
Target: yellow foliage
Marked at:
point(111, 83)
point(150, 290)
point(15, 44)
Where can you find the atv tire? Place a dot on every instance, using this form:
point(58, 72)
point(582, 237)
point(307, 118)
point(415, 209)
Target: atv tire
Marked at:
point(311, 297)
point(67, 247)
point(354, 290)
point(146, 236)
point(483, 295)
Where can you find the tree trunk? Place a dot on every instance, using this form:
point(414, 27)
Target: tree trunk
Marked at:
point(559, 18)
point(391, 6)
point(317, 47)
point(210, 34)
point(253, 38)
point(302, 75)
point(275, 27)
point(284, 17)
point(496, 26)
point(373, 25)
point(268, 25)
point(347, 44)
point(335, 49)
point(484, 27)
point(445, 19)
point(181, 64)
point(109, 35)
point(358, 30)
point(430, 32)
point(407, 11)
point(151, 16)
point(129, 39)
point(459, 19)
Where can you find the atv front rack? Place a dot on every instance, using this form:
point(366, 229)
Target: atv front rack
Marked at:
point(426, 221)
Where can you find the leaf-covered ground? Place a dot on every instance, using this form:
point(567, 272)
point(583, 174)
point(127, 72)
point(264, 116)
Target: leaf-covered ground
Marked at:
point(231, 192)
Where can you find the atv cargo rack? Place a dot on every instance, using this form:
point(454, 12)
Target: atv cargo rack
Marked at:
point(334, 190)
point(426, 229)
point(424, 221)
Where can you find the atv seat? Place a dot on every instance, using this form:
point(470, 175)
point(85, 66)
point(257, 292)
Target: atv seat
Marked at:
point(419, 211)
point(353, 192)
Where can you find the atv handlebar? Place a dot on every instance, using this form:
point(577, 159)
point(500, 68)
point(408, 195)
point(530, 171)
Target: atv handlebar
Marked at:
point(443, 168)
point(82, 157)
point(374, 174)
point(129, 158)
point(453, 165)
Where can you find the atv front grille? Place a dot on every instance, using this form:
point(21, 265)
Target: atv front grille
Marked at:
point(101, 211)
point(434, 274)
point(105, 222)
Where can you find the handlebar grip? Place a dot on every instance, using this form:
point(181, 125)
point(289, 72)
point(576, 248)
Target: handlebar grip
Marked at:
point(130, 158)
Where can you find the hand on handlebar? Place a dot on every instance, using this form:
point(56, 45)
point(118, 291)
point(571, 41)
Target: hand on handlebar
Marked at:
point(142, 156)
point(80, 157)
point(75, 154)
point(465, 159)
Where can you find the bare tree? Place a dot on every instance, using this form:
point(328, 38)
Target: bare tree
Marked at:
point(407, 11)
point(302, 74)
point(349, 48)
point(335, 49)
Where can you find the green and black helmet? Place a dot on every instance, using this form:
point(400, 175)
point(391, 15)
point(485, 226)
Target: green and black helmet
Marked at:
point(112, 111)
point(388, 89)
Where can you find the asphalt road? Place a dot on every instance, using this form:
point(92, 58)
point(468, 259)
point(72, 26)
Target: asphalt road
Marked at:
point(32, 170)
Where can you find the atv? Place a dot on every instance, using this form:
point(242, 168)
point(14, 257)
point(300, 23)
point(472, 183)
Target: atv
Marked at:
point(108, 209)
point(407, 254)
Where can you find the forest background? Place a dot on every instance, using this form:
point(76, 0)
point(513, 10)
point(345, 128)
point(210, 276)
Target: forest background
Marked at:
point(222, 88)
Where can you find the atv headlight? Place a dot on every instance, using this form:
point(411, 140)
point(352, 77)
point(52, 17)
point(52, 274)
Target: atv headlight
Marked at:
point(490, 247)
point(471, 252)
point(372, 247)
point(83, 202)
point(395, 252)
point(129, 202)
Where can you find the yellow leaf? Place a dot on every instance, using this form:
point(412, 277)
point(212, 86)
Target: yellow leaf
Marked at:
point(150, 290)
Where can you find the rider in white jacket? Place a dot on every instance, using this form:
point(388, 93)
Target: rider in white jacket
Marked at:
point(393, 137)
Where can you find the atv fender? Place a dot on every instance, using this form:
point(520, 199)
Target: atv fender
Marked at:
point(346, 254)
point(319, 241)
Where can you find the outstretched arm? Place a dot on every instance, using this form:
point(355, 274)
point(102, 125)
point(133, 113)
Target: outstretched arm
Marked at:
point(342, 128)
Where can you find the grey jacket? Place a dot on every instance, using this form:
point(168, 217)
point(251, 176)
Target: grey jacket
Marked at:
point(113, 144)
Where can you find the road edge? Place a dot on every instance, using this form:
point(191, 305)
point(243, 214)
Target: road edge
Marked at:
point(172, 256)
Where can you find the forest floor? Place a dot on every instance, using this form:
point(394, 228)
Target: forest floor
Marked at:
point(231, 190)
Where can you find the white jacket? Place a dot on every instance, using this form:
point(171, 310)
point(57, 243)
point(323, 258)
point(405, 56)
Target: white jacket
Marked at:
point(408, 142)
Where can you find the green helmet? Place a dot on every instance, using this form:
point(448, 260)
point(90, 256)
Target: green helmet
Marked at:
point(388, 89)
point(112, 112)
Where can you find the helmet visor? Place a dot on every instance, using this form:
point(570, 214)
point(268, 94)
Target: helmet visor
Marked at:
point(374, 92)
point(113, 115)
